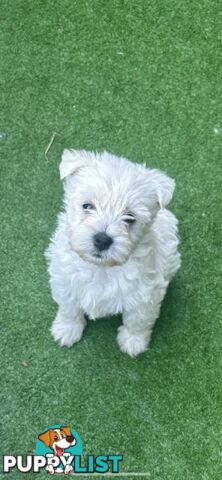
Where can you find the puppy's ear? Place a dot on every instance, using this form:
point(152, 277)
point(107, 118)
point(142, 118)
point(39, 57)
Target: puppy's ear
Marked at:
point(66, 430)
point(163, 186)
point(72, 160)
point(45, 438)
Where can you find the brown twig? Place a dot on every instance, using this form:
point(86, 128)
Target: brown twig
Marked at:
point(50, 144)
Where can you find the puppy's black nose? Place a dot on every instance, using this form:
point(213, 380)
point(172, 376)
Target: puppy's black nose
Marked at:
point(102, 241)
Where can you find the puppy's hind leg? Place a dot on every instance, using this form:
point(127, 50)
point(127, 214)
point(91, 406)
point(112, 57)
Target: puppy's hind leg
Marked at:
point(68, 326)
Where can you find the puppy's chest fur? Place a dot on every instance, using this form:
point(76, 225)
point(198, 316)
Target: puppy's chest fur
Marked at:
point(102, 291)
point(98, 290)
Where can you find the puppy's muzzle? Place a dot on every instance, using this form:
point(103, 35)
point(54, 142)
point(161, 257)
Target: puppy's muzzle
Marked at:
point(102, 241)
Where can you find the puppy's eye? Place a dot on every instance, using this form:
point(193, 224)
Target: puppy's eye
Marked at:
point(88, 206)
point(129, 218)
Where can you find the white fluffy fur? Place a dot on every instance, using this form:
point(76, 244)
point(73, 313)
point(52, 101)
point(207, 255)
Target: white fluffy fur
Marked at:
point(132, 276)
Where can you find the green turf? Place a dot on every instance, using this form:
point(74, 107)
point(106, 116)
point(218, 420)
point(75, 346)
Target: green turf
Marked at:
point(141, 79)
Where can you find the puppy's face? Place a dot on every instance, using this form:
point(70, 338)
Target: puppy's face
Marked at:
point(58, 438)
point(110, 202)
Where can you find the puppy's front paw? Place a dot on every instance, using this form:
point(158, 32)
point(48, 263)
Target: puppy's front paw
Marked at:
point(67, 332)
point(68, 469)
point(130, 343)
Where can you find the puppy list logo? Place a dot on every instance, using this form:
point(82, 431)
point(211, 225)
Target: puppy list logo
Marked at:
point(59, 449)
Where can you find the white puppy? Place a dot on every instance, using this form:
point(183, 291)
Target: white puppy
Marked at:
point(114, 249)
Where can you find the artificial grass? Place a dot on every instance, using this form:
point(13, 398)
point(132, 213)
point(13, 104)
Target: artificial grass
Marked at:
point(139, 79)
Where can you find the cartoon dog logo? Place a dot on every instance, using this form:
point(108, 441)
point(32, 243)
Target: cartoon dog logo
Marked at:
point(58, 440)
